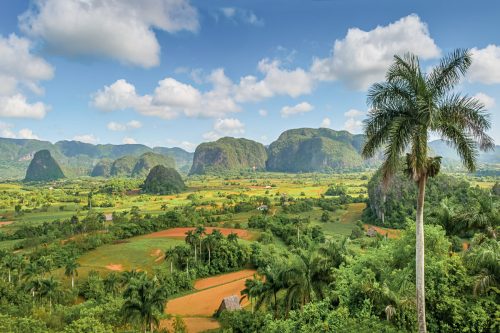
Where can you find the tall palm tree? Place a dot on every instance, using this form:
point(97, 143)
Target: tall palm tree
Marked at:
point(192, 240)
point(111, 283)
point(144, 302)
point(200, 231)
point(252, 289)
point(409, 107)
point(272, 285)
point(71, 270)
point(49, 289)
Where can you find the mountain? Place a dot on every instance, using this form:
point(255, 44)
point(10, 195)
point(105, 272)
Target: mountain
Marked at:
point(147, 161)
point(123, 166)
point(450, 157)
point(75, 158)
point(315, 150)
point(183, 159)
point(43, 167)
point(163, 180)
point(102, 168)
point(228, 154)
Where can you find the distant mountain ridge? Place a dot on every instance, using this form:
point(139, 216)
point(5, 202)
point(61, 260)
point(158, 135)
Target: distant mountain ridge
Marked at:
point(76, 158)
point(451, 158)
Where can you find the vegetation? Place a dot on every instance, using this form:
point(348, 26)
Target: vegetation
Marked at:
point(162, 180)
point(404, 110)
point(228, 154)
point(43, 167)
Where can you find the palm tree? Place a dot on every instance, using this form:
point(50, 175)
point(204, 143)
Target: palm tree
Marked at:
point(409, 107)
point(171, 255)
point(192, 239)
point(232, 237)
point(49, 289)
point(71, 270)
point(111, 283)
point(144, 301)
point(273, 283)
point(199, 232)
point(482, 260)
point(252, 289)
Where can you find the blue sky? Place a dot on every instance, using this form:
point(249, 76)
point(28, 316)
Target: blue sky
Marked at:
point(179, 72)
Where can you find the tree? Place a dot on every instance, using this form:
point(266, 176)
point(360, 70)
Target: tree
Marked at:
point(111, 283)
point(252, 289)
point(404, 110)
point(200, 231)
point(192, 239)
point(144, 302)
point(71, 270)
point(273, 283)
point(49, 289)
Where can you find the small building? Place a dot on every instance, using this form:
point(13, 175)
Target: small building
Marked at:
point(262, 208)
point(108, 217)
point(371, 232)
point(230, 303)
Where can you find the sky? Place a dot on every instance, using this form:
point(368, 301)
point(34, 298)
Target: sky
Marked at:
point(180, 72)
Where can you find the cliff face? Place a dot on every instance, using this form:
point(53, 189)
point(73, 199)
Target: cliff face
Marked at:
point(228, 154)
point(43, 167)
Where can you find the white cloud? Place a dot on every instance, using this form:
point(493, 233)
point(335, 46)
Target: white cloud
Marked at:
point(129, 141)
point(326, 123)
point(488, 101)
point(297, 109)
point(171, 98)
point(121, 30)
point(26, 133)
point(225, 127)
point(87, 138)
point(186, 145)
point(276, 81)
point(116, 127)
point(241, 15)
point(362, 57)
point(262, 113)
point(353, 123)
point(16, 106)
point(6, 131)
point(485, 67)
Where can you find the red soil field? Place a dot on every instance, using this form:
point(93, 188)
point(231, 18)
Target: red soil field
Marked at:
point(207, 301)
point(391, 233)
point(5, 223)
point(193, 324)
point(181, 232)
point(115, 267)
point(222, 279)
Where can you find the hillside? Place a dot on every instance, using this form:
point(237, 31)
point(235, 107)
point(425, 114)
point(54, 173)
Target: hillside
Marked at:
point(315, 150)
point(228, 154)
point(147, 161)
point(450, 157)
point(163, 180)
point(75, 158)
point(43, 167)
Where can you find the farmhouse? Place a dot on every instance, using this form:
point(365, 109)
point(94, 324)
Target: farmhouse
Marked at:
point(230, 303)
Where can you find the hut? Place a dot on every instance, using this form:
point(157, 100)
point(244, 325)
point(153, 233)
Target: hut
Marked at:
point(230, 303)
point(108, 217)
point(372, 232)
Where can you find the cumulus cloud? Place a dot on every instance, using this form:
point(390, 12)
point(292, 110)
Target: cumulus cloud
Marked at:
point(16, 106)
point(121, 30)
point(241, 15)
point(353, 124)
point(21, 71)
point(276, 81)
point(186, 145)
point(325, 123)
point(87, 138)
point(488, 101)
point(262, 112)
point(129, 141)
point(225, 127)
point(362, 57)
point(300, 108)
point(7, 131)
point(170, 98)
point(116, 127)
point(485, 67)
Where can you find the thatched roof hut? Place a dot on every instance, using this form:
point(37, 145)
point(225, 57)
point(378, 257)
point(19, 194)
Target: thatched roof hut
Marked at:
point(372, 232)
point(230, 303)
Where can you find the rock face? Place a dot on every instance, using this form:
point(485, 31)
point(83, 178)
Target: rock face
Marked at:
point(315, 150)
point(102, 168)
point(163, 180)
point(147, 161)
point(228, 154)
point(43, 167)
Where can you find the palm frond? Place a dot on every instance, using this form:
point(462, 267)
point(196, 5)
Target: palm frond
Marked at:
point(450, 70)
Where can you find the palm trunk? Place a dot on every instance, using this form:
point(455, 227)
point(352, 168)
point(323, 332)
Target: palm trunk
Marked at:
point(10, 277)
point(420, 275)
point(72, 281)
point(209, 256)
point(195, 251)
point(171, 266)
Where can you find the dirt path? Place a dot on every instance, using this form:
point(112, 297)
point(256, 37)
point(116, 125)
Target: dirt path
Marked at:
point(391, 233)
point(223, 279)
point(115, 267)
point(181, 232)
point(5, 223)
point(197, 309)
